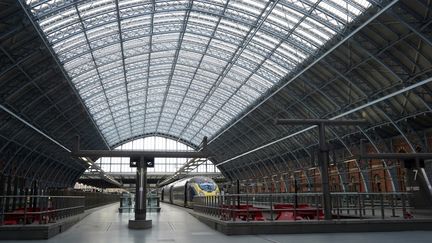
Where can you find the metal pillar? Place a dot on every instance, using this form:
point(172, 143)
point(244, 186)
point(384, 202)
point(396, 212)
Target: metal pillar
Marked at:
point(238, 193)
point(323, 162)
point(140, 221)
point(323, 156)
point(295, 193)
point(141, 190)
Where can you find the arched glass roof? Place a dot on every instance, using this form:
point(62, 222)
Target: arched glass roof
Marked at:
point(183, 68)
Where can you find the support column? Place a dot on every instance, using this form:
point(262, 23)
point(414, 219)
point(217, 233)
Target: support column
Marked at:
point(323, 156)
point(238, 193)
point(140, 190)
point(140, 221)
point(323, 162)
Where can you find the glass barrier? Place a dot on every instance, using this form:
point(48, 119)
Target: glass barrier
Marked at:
point(127, 203)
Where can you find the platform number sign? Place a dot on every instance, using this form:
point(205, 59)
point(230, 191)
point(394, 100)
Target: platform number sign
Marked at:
point(134, 161)
point(149, 161)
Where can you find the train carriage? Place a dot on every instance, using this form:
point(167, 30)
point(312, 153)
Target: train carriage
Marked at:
point(182, 192)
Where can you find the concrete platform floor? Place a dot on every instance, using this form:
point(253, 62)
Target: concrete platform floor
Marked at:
point(175, 224)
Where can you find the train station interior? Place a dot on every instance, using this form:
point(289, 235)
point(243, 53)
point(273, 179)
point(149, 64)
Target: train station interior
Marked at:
point(216, 121)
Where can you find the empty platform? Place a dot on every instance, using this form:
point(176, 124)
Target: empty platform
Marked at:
point(175, 224)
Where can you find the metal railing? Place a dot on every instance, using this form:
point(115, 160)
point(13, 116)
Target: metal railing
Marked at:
point(38, 209)
point(304, 206)
point(92, 199)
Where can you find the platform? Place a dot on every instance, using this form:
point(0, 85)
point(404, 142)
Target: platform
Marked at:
point(38, 231)
point(240, 227)
point(175, 224)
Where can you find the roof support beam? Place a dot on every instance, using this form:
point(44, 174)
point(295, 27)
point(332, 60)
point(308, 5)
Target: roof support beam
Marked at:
point(123, 64)
point(153, 9)
point(320, 121)
point(240, 48)
point(90, 162)
point(98, 72)
point(294, 28)
point(33, 127)
point(135, 153)
point(77, 152)
point(379, 13)
point(49, 48)
point(205, 52)
point(401, 91)
point(174, 62)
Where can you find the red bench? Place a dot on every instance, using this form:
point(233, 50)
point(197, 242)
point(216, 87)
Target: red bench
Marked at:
point(302, 211)
point(32, 215)
point(242, 211)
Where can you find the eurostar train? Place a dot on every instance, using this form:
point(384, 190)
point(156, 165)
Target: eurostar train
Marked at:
point(182, 192)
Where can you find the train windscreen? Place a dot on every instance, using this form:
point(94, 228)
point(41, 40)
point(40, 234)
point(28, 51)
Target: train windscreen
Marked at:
point(205, 184)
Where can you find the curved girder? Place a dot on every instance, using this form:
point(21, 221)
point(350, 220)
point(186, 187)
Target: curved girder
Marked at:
point(32, 89)
point(152, 62)
point(245, 46)
point(194, 146)
point(381, 71)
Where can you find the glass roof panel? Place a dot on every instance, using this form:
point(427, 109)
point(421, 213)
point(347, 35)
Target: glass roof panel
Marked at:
point(183, 68)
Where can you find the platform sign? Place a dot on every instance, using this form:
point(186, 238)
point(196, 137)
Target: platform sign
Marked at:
point(149, 162)
point(135, 160)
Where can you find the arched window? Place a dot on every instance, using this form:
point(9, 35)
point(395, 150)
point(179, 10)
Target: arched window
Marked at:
point(354, 185)
point(334, 185)
point(162, 165)
point(377, 183)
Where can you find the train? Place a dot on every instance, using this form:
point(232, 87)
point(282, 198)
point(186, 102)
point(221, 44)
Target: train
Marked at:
point(182, 192)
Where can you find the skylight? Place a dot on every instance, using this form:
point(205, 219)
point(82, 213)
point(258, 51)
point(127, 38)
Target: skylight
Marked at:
point(188, 68)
